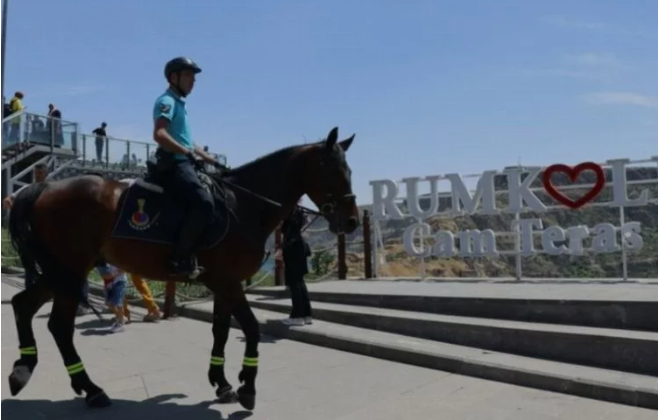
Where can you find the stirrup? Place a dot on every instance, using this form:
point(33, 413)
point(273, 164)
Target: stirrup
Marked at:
point(195, 269)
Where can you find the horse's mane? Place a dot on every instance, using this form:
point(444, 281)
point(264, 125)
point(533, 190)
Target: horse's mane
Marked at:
point(272, 158)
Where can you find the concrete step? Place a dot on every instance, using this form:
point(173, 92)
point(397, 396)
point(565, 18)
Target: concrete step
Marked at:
point(509, 302)
point(606, 385)
point(629, 351)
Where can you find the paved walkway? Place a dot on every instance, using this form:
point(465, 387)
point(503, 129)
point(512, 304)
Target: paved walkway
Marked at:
point(158, 371)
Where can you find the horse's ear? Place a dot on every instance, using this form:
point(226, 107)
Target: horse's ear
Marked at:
point(331, 140)
point(346, 144)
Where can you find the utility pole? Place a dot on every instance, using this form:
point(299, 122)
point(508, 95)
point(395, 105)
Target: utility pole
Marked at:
point(4, 41)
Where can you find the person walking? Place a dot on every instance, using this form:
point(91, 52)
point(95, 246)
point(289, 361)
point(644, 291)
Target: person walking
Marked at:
point(141, 285)
point(294, 253)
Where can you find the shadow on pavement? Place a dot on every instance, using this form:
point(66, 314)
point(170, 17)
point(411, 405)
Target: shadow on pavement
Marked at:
point(94, 323)
point(153, 408)
point(264, 339)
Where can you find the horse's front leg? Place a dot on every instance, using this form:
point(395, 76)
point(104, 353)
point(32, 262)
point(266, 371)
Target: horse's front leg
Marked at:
point(247, 391)
point(221, 325)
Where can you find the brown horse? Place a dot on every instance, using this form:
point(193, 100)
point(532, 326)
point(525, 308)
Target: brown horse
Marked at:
point(64, 226)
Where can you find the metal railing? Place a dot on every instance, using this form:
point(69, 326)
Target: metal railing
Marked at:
point(118, 154)
point(25, 127)
point(90, 150)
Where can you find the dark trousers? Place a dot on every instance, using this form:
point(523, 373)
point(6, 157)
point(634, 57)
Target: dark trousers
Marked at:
point(99, 150)
point(301, 305)
point(187, 188)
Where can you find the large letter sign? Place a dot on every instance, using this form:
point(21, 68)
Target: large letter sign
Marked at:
point(555, 240)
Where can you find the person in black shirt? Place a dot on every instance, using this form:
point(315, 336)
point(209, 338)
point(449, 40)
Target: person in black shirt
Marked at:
point(100, 141)
point(55, 125)
point(294, 253)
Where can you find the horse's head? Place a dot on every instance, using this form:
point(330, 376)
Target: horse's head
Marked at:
point(328, 183)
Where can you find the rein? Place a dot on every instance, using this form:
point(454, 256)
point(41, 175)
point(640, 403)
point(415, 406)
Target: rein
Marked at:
point(261, 197)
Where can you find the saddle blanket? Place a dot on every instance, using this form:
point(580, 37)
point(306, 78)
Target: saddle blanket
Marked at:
point(147, 213)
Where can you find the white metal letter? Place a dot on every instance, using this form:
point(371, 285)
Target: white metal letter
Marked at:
point(485, 191)
point(526, 227)
point(605, 240)
point(576, 235)
point(549, 237)
point(385, 206)
point(520, 193)
point(412, 199)
point(415, 231)
point(476, 243)
point(620, 187)
point(631, 238)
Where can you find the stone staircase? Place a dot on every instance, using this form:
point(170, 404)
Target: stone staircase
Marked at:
point(554, 339)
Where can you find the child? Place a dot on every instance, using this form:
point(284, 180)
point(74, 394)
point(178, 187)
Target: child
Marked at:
point(114, 282)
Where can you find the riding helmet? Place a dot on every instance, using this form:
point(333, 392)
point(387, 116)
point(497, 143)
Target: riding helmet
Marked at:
point(179, 64)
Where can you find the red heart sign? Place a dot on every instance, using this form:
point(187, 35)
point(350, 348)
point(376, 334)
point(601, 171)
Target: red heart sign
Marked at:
point(573, 174)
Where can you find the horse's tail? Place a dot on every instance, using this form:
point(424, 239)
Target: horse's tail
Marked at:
point(20, 226)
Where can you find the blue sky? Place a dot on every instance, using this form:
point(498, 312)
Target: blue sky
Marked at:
point(462, 86)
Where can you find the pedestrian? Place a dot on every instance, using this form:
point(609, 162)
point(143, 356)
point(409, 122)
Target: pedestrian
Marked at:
point(55, 126)
point(15, 105)
point(294, 252)
point(100, 141)
point(153, 312)
point(114, 286)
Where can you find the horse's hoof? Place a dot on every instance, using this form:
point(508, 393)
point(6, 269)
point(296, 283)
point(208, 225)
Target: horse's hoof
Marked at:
point(226, 395)
point(18, 378)
point(247, 401)
point(98, 400)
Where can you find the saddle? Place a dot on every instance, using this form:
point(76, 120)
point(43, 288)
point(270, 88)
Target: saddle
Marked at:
point(148, 211)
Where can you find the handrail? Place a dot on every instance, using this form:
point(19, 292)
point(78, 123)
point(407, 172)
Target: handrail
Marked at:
point(14, 115)
point(117, 153)
point(48, 117)
point(117, 139)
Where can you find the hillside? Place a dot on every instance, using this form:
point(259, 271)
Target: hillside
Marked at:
point(642, 264)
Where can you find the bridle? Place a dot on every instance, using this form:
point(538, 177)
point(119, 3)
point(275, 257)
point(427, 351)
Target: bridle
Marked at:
point(328, 208)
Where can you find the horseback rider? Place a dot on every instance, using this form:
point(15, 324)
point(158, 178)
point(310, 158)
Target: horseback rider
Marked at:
point(177, 163)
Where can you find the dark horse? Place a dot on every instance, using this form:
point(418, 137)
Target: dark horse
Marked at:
point(64, 226)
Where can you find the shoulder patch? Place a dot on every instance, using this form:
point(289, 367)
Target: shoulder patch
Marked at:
point(165, 108)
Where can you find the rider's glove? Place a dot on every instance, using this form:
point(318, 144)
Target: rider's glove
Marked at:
point(198, 164)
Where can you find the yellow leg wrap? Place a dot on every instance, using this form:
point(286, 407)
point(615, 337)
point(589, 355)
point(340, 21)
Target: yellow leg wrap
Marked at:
point(31, 351)
point(217, 361)
point(251, 361)
point(75, 368)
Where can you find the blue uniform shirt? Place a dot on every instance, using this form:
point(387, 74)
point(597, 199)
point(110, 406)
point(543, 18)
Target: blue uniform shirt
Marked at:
point(169, 105)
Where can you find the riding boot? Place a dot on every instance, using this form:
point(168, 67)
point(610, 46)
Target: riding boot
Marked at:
point(190, 232)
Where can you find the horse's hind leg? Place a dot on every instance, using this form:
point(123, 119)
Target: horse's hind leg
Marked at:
point(61, 326)
point(25, 304)
point(221, 326)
